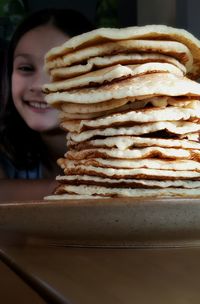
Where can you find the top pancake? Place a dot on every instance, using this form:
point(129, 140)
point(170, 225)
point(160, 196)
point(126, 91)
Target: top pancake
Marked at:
point(171, 48)
point(151, 32)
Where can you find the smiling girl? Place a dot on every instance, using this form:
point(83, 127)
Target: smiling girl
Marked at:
point(30, 138)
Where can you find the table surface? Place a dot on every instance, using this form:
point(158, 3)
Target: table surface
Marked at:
point(23, 190)
point(97, 275)
point(14, 290)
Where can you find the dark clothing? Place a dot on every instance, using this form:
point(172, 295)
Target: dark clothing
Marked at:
point(14, 173)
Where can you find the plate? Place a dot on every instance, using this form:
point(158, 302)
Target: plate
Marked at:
point(120, 222)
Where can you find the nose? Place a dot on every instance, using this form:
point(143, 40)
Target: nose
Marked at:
point(39, 79)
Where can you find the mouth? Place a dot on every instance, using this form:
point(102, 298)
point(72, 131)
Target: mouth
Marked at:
point(38, 105)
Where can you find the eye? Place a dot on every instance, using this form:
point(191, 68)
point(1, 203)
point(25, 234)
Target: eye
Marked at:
point(26, 68)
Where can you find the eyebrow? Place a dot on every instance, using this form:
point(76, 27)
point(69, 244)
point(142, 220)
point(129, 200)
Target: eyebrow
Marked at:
point(24, 55)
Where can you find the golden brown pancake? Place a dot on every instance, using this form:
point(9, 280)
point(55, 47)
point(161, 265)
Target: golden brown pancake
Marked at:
point(148, 32)
point(96, 63)
point(140, 87)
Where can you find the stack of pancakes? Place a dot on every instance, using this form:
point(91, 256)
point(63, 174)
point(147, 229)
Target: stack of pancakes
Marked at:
point(130, 106)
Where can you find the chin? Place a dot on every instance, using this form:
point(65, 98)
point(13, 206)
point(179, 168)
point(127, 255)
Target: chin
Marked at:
point(43, 128)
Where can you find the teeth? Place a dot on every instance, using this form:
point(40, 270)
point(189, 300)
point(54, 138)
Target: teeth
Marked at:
point(39, 105)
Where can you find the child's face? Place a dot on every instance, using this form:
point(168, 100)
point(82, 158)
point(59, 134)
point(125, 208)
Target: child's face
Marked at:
point(29, 76)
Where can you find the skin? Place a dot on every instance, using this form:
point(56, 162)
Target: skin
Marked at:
point(28, 77)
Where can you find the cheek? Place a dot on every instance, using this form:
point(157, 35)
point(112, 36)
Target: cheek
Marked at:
point(18, 87)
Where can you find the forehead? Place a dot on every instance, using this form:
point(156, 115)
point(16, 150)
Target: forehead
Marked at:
point(40, 40)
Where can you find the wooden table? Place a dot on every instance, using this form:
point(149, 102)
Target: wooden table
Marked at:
point(88, 275)
point(114, 276)
point(14, 290)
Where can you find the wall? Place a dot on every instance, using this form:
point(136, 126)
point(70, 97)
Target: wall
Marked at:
point(178, 13)
point(87, 7)
point(156, 12)
point(127, 9)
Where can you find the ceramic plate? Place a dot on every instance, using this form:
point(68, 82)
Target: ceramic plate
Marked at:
point(118, 222)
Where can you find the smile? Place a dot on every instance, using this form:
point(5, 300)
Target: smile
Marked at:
point(38, 105)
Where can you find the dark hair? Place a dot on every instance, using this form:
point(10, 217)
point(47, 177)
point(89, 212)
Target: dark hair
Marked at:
point(22, 145)
point(3, 49)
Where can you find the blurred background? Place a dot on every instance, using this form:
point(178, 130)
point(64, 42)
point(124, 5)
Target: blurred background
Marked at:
point(109, 13)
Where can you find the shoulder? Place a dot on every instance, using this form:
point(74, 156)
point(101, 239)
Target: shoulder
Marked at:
point(8, 170)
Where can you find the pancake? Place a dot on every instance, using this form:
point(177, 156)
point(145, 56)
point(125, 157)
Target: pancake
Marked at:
point(128, 187)
point(129, 142)
point(150, 163)
point(172, 128)
point(100, 76)
point(130, 112)
point(140, 116)
point(170, 48)
point(151, 32)
point(149, 152)
point(106, 106)
point(137, 193)
point(134, 183)
point(101, 62)
point(127, 108)
point(109, 74)
point(128, 103)
point(141, 86)
point(191, 136)
point(125, 192)
point(69, 197)
point(139, 173)
point(65, 115)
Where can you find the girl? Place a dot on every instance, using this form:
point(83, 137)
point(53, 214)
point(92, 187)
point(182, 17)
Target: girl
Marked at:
point(30, 138)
